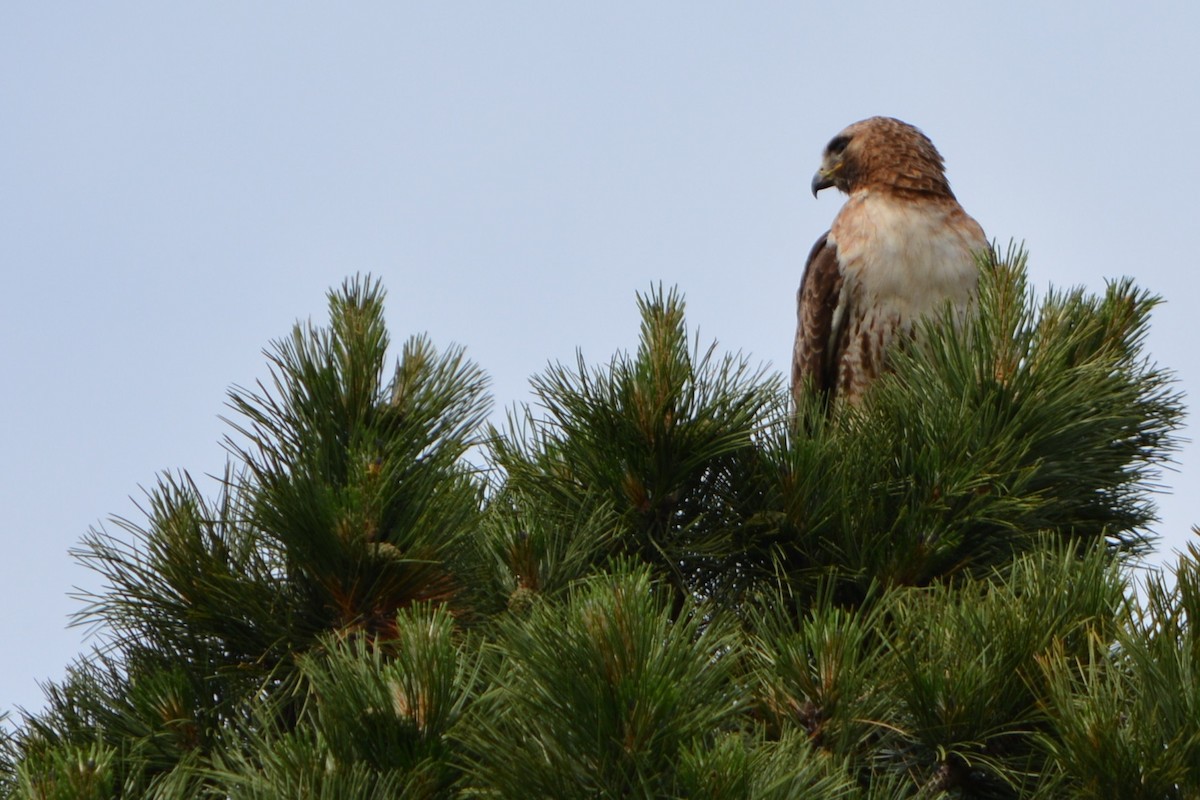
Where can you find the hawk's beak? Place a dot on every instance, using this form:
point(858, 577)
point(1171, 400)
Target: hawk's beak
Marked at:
point(821, 181)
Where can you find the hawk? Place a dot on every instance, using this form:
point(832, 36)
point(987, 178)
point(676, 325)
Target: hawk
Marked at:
point(901, 247)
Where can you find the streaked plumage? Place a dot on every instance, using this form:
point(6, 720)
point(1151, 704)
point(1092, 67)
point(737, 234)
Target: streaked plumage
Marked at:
point(900, 248)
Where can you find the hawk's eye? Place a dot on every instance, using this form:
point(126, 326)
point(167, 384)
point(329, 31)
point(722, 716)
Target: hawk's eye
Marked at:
point(838, 144)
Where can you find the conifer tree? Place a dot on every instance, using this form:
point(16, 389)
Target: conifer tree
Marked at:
point(665, 583)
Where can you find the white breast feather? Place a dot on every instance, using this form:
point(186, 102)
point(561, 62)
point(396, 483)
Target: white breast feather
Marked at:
point(905, 258)
point(900, 261)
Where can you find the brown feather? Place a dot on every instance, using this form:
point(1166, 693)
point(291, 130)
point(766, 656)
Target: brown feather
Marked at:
point(888, 155)
point(816, 352)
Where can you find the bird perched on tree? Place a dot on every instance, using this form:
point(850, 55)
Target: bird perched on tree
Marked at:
point(901, 247)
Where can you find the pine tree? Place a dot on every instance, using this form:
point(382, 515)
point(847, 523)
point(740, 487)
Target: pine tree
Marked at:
point(663, 582)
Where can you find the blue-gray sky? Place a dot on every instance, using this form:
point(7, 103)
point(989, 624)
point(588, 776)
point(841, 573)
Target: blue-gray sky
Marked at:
point(180, 182)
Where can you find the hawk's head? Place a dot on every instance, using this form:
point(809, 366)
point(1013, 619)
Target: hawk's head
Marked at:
point(884, 154)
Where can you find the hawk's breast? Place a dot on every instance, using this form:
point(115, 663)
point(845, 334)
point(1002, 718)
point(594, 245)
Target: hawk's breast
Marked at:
point(901, 259)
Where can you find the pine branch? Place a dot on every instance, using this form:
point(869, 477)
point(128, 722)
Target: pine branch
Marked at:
point(1021, 419)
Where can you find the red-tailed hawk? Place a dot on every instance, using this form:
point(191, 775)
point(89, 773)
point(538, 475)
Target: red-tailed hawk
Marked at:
point(901, 247)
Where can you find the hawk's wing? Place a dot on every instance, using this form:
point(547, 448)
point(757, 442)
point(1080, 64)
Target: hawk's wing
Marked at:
point(821, 316)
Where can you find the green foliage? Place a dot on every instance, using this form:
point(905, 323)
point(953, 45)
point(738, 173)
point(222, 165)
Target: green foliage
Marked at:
point(761, 768)
point(940, 685)
point(817, 670)
point(990, 432)
point(600, 696)
point(966, 664)
point(1125, 719)
point(375, 719)
point(543, 555)
point(358, 484)
point(74, 773)
point(669, 585)
point(661, 441)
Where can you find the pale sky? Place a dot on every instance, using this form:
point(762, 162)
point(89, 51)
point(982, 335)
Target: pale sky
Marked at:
point(180, 182)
